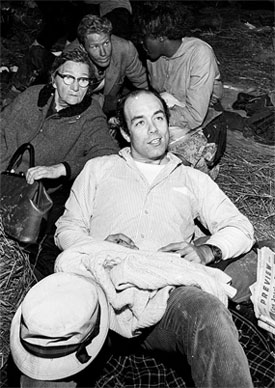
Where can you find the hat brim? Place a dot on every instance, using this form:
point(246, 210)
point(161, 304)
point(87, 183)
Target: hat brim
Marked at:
point(57, 368)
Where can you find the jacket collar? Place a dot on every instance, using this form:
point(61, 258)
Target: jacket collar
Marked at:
point(47, 92)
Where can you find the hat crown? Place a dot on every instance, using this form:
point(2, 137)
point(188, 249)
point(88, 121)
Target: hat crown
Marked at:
point(60, 309)
point(60, 326)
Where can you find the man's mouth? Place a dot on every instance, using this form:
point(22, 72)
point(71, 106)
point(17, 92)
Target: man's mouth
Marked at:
point(155, 142)
point(104, 60)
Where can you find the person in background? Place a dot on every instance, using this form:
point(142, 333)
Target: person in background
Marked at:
point(119, 12)
point(114, 60)
point(59, 26)
point(185, 71)
point(153, 205)
point(66, 126)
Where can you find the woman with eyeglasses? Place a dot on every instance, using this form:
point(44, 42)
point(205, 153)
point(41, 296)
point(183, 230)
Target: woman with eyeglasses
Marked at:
point(65, 125)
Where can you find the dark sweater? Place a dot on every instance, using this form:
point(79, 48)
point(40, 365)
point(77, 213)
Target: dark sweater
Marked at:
point(73, 135)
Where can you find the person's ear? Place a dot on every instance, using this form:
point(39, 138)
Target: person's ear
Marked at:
point(125, 135)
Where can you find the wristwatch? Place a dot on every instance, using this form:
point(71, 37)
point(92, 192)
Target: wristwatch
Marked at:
point(217, 253)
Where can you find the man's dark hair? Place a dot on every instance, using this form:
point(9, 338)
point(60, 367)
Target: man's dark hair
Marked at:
point(92, 24)
point(121, 114)
point(172, 20)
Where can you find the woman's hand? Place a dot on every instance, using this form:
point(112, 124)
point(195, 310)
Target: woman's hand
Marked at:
point(198, 254)
point(49, 172)
point(121, 239)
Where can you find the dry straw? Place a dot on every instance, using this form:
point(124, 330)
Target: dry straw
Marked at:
point(16, 278)
point(247, 177)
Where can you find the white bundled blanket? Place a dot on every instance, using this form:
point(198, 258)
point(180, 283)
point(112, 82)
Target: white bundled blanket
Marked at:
point(137, 283)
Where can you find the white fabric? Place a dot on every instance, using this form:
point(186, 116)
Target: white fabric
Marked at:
point(59, 311)
point(137, 283)
point(150, 171)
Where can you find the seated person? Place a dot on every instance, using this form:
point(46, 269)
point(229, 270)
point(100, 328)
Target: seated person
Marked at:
point(59, 23)
point(185, 71)
point(114, 59)
point(65, 125)
point(154, 203)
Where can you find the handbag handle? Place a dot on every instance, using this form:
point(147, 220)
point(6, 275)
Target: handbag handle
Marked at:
point(17, 156)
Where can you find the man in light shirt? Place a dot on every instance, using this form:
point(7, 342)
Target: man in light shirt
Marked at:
point(185, 71)
point(145, 198)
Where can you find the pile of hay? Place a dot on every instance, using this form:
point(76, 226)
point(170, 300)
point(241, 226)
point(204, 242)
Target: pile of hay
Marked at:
point(247, 176)
point(16, 278)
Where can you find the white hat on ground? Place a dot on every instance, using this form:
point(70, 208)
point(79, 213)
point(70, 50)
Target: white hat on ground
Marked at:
point(60, 326)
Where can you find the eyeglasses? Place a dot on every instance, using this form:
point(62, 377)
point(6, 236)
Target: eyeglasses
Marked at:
point(83, 82)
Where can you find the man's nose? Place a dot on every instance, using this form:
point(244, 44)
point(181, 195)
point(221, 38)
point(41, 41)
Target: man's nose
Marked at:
point(152, 127)
point(102, 51)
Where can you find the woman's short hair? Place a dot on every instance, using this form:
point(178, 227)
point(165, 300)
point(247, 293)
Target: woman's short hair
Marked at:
point(172, 20)
point(121, 113)
point(77, 55)
point(92, 24)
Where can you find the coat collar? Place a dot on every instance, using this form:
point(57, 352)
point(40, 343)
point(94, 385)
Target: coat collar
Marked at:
point(47, 92)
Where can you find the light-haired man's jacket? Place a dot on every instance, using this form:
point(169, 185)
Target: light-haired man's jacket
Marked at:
point(125, 63)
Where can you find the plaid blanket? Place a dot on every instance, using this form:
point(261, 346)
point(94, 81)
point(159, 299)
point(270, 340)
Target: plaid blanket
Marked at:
point(259, 350)
point(140, 370)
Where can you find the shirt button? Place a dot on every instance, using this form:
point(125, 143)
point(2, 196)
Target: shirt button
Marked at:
point(142, 235)
point(146, 212)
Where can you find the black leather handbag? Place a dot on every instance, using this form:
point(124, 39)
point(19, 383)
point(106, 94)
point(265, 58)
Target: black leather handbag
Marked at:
point(23, 206)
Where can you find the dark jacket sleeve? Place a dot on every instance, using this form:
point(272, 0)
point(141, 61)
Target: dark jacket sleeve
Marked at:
point(18, 120)
point(95, 140)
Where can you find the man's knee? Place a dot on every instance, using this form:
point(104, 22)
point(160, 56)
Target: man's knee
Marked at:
point(194, 303)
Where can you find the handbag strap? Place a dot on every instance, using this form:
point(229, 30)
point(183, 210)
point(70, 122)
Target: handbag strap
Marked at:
point(17, 156)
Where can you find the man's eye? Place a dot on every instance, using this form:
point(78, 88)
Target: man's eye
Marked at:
point(107, 43)
point(139, 123)
point(160, 118)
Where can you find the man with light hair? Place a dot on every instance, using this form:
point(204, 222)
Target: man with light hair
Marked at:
point(114, 60)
